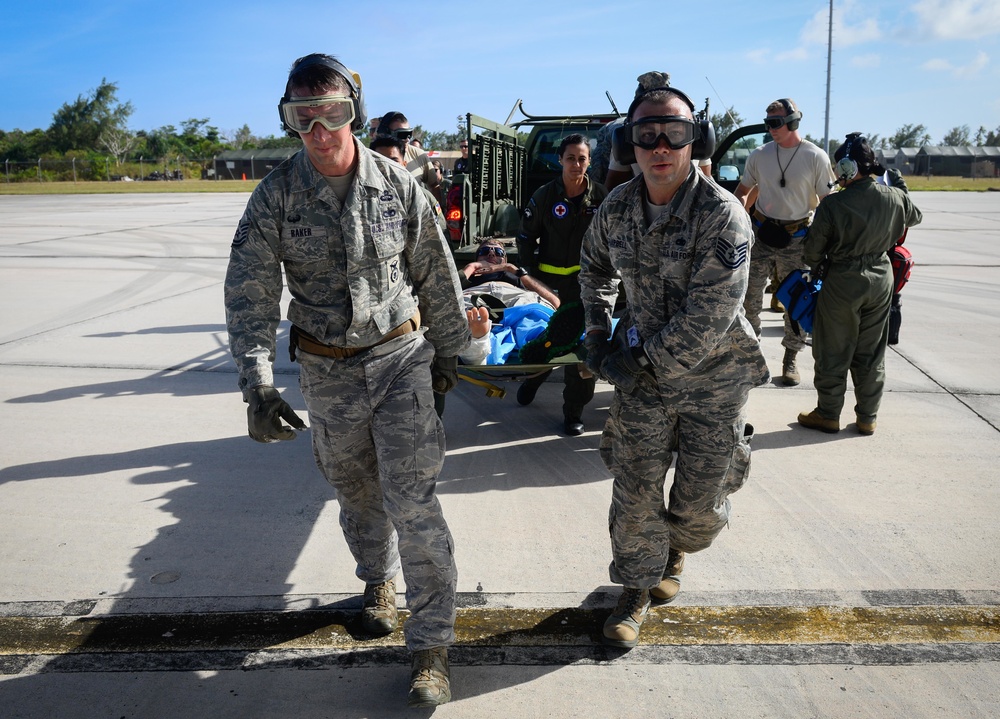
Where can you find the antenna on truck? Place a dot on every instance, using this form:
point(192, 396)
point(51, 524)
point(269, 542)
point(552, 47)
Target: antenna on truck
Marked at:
point(613, 105)
point(514, 109)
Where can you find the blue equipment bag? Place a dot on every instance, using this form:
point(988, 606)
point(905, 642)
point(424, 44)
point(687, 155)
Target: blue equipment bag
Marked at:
point(799, 298)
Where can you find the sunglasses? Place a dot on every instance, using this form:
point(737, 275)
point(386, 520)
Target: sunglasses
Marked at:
point(463, 147)
point(773, 123)
point(483, 251)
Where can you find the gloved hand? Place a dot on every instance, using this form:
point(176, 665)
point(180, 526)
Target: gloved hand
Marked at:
point(264, 414)
point(625, 368)
point(598, 348)
point(444, 374)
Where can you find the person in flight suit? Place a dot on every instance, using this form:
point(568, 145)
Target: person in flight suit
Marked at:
point(851, 233)
point(548, 247)
point(360, 249)
point(683, 357)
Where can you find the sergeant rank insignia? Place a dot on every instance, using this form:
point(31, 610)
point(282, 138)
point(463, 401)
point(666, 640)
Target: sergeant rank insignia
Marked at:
point(730, 255)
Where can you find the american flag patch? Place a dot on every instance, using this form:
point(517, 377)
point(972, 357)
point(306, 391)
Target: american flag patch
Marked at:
point(730, 255)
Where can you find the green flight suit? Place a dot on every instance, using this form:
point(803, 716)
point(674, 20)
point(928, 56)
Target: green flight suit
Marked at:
point(853, 229)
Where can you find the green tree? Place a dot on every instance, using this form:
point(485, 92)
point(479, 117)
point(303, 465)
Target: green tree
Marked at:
point(78, 125)
point(20, 146)
point(910, 136)
point(241, 139)
point(725, 122)
point(957, 137)
point(987, 138)
point(273, 142)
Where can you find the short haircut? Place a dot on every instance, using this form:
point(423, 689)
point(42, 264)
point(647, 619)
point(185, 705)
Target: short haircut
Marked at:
point(318, 79)
point(382, 141)
point(781, 105)
point(660, 96)
point(575, 139)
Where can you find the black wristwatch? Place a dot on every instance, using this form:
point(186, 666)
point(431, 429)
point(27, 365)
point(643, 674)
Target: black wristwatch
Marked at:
point(521, 272)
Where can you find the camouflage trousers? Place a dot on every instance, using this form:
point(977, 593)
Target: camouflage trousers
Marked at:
point(708, 431)
point(379, 442)
point(763, 261)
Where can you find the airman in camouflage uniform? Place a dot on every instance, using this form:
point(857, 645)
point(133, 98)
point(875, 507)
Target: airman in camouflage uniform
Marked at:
point(360, 250)
point(683, 358)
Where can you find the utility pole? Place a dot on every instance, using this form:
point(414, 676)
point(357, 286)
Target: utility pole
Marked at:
point(829, 64)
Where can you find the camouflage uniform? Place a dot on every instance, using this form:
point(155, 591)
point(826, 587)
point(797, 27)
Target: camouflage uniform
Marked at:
point(355, 271)
point(853, 229)
point(601, 158)
point(684, 277)
point(548, 246)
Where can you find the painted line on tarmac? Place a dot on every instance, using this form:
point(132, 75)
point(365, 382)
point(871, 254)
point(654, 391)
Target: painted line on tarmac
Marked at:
point(324, 637)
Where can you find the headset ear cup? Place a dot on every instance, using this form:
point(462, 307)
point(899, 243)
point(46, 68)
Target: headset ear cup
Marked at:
point(703, 148)
point(623, 149)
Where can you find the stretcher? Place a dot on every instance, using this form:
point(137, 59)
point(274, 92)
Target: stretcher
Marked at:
point(486, 375)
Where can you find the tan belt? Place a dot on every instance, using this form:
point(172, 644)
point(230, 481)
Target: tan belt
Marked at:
point(307, 343)
point(790, 227)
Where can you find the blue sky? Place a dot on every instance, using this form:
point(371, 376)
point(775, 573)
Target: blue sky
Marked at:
point(933, 62)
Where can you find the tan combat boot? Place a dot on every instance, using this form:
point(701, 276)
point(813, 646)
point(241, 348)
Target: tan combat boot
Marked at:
point(866, 427)
point(430, 683)
point(378, 613)
point(813, 420)
point(621, 629)
point(789, 372)
point(670, 585)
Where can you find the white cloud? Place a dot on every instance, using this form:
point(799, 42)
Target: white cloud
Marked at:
point(864, 61)
point(958, 19)
point(846, 31)
point(795, 54)
point(941, 65)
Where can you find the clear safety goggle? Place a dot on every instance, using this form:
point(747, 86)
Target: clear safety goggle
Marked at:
point(678, 131)
point(331, 111)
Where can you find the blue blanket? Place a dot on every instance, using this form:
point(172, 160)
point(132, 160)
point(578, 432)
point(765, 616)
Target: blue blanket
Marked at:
point(520, 325)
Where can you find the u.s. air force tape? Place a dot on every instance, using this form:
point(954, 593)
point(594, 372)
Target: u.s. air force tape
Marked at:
point(242, 233)
point(730, 255)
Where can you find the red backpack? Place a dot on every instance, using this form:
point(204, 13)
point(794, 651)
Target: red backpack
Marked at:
point(902, 263)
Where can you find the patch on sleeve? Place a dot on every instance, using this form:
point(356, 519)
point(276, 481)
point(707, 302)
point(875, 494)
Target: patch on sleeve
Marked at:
point(242, 233)
point(730, 255)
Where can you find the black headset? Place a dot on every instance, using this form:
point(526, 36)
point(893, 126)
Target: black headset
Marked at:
point(701, 149)
point(387, 119)
point(353, 82)
point(792, 116)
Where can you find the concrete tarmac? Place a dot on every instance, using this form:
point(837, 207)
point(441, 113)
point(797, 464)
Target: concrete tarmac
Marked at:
point(156, 562)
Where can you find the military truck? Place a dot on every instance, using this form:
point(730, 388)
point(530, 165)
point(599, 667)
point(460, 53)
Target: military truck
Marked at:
point(503, 173)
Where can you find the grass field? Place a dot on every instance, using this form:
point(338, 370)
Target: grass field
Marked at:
point(940, 184)
point(97, 188)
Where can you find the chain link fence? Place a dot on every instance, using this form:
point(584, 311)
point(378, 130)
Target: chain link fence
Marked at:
point(107, 170)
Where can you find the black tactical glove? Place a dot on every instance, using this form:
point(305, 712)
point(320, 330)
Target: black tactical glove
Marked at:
point(265, 412)
point(626, 368)
point(598, 348)
point(444, 374)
